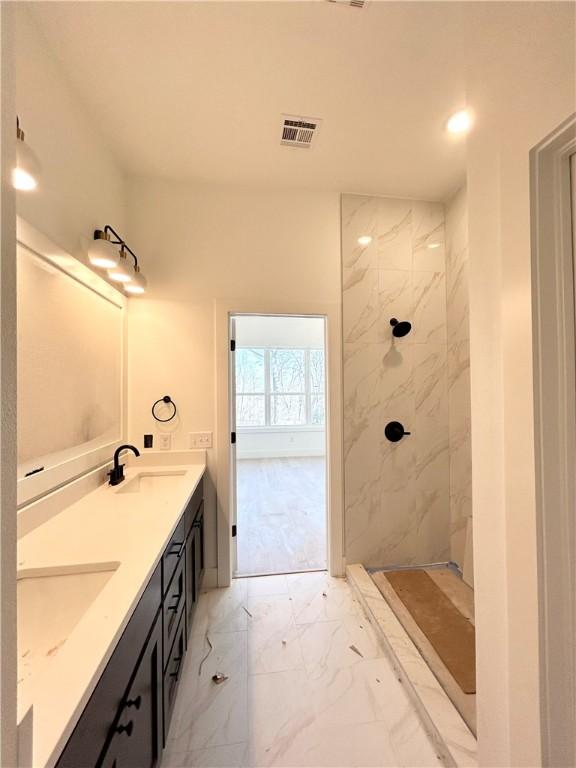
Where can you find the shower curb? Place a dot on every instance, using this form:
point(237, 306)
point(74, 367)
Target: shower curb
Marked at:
point(452, 739)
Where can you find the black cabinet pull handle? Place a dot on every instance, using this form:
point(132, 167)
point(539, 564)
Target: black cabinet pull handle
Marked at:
point(176, 605)
point(134, 702)
point(180, 546)
point(179, 660)
point(127, 729)
point(197, 524)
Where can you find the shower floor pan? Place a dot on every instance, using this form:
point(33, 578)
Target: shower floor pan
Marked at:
point(436, 608)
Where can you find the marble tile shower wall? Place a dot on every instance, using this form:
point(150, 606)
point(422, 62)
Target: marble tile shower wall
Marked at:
point(458, 373)
point(397, 495)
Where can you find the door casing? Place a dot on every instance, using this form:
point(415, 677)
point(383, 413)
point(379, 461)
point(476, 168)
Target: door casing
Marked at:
point(554, 339)
point(224, 310)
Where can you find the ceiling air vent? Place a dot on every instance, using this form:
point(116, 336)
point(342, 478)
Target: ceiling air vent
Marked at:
point(351, 3)
point(298, 131)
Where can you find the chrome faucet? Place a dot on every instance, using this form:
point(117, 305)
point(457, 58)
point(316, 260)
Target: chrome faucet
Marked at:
point(116, 474)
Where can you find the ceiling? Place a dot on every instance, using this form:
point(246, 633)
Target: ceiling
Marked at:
point(195, 90)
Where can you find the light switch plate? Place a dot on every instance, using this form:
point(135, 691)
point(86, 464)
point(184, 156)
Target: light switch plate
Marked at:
point(200, 439)
point(165, 441)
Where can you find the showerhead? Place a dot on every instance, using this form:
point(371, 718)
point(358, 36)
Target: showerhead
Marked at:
point(400, 329)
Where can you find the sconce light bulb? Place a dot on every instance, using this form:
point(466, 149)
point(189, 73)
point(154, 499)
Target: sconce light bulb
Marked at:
point(103, 254)
point(138, 283)
point(28, 170)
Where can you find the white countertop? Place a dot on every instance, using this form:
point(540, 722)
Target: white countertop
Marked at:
point(129, 530)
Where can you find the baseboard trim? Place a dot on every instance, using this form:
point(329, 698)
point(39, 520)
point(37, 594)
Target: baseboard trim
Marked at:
point(210, 580)
point(280, 453)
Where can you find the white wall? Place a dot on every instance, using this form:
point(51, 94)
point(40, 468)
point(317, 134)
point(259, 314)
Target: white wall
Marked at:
point(81, 188)
point(199, 243)
point(520, 82)
point(8, 640)
point(271, 443)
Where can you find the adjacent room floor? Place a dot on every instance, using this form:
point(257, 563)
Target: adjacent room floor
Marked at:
point(281, 515)
point(306, 683)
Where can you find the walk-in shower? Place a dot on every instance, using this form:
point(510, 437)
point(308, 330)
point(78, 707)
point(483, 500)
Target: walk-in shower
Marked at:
point(407, 451)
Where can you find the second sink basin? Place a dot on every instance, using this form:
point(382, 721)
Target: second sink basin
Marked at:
point(51, 602)
point(151, 482)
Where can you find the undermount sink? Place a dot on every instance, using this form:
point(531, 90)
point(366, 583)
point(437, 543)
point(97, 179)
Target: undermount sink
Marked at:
point(150, 482)
point(51, 602)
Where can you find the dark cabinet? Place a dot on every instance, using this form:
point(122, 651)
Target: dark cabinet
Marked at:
point(198, 530)
point(137, 736)
point(126, 720)
point(174, 601)
point(172, 673)
point(194, 560)
point(94, 728)
point(190, 605)
point(173, 554)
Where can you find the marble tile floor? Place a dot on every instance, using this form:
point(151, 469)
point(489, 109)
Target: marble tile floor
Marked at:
point(308, 684)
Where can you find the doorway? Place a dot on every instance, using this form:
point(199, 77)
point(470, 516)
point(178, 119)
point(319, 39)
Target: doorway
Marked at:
point(278, 452)
point(553, 217)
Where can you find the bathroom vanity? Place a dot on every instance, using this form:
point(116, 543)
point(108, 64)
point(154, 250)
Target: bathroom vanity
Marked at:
point(119, 574)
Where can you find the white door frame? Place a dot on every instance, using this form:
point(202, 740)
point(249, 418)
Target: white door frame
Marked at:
point(223, 309)
point(555, 437)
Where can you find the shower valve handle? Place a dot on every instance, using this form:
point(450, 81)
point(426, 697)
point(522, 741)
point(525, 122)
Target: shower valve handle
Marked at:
point(395, 431)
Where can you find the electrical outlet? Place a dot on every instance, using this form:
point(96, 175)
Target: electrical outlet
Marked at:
point(165, 441)
point(200, 439)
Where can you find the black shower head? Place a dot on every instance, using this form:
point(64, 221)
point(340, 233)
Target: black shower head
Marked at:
point(400, 329)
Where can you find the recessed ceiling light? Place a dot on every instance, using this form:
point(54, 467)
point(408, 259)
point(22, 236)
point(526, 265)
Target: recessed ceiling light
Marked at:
point(434, 245)
point(460, 122)
point(365, 240)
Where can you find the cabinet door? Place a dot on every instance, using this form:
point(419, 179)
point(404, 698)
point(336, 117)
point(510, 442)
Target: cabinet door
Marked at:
point(172, 673)
point(137, 739)
point(111, 758)
point(189, 579)
point(173, 606)
point(198, 552)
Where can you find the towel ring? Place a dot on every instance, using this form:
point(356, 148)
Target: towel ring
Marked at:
point(166, 399)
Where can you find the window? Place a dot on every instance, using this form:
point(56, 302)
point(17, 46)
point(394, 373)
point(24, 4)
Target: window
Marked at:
point(280, 387)
point(250, 387)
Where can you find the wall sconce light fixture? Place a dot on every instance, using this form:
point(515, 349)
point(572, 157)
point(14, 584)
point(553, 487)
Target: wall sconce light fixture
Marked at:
point(110, 251)
point(26, 173)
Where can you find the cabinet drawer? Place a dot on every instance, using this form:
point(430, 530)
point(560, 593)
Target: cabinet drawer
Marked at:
point(173, 554)
point(172, 673)
point(193, 505)
point(190, 568)
point(173, 606)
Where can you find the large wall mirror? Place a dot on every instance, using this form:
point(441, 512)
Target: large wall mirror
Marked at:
point(70, 367)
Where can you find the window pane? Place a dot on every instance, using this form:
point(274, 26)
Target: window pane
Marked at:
point(287, 370)
point(317, 370)
point(250, 370)
point(317, 405)
point(288, 410)
point(250, 411)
